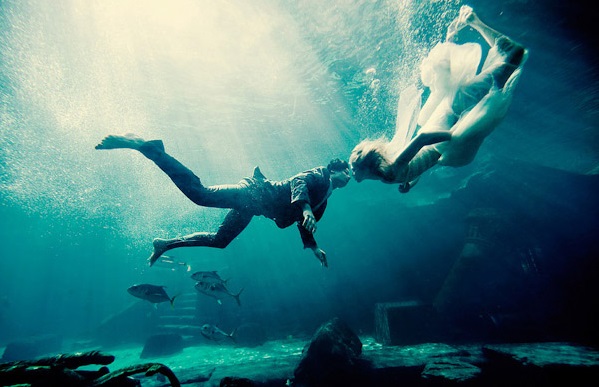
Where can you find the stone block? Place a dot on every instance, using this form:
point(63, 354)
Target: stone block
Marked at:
point(403, 323)
point(162, 345)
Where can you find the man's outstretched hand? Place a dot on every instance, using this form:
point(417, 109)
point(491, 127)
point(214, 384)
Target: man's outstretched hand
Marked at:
point(309, 222)
point(321, 256)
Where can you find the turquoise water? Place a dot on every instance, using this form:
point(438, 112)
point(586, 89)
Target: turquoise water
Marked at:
point(227, 86)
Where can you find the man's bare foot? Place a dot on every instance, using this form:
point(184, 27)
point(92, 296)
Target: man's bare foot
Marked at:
point(465, 17)
point(160, 247)
point(128, 141)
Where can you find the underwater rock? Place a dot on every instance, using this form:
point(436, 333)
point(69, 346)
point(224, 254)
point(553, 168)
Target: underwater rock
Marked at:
point(32, 347)
point(332, 358)
point(131, 325)
point(230, 381)
point(162, 345)
point(445, 371)
point(523, 236)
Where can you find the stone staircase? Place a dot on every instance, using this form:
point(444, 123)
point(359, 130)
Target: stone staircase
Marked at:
point(182, 318)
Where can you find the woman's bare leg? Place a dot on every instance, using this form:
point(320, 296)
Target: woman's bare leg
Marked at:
point(489, 34)
point(512, 53)
point(468, 17)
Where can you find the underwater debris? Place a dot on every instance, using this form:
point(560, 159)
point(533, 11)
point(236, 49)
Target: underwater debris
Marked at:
point(61, 370)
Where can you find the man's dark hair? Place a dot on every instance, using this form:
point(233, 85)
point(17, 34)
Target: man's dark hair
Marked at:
point(337, 165)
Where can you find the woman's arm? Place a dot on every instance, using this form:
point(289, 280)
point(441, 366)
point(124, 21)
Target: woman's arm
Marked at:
point(421, 140)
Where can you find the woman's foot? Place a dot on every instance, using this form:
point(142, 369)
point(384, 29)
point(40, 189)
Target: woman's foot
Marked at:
point(160, 247)
point(128, 141)
point(464, 18)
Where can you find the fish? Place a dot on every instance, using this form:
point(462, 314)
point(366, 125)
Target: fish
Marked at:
point(216, 290)
point(214, 333)
point(172, 263)
point(208, 276)
point(152, 293)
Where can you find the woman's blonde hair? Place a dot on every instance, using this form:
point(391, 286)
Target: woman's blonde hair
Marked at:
point(370, 155)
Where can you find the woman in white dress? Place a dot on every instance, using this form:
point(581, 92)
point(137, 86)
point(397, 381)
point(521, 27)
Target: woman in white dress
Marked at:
point(462, 109)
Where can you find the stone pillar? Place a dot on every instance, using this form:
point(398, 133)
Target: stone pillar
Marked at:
point(486, 227)
point(402, 323)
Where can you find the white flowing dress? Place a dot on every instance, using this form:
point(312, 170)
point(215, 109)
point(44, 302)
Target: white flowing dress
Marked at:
point(468, 104)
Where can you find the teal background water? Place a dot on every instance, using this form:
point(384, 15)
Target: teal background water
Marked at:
point(227, 86)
